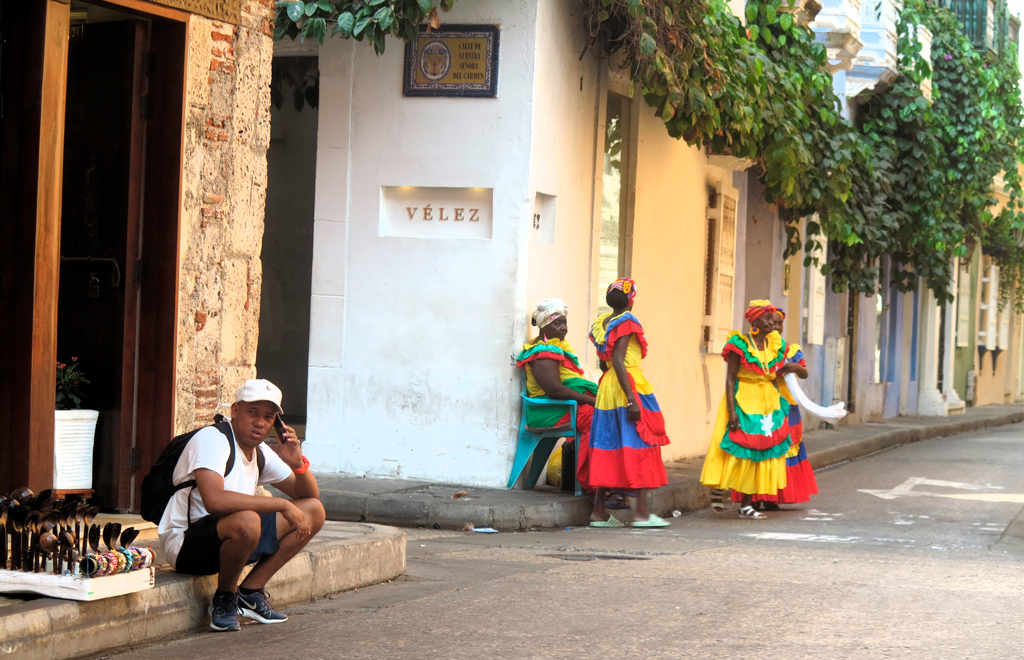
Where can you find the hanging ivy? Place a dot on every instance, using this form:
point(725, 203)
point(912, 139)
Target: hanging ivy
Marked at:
point(363, 20)
point(936, 161)
point(912, 181)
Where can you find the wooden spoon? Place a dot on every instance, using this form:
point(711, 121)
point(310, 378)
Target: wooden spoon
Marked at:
point(23, 494)
point(115, 533)
point(68, 542)
point(127, 536)
point(87, 517)
point(18, 518)
point(49, 543)
point(94, 538)
point(32, 524)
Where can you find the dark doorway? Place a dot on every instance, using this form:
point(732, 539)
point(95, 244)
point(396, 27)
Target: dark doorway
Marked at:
point(104, 152)
point(283, 353)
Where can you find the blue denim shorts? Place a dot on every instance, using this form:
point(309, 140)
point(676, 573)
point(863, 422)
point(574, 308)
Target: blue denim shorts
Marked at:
point(200, 551)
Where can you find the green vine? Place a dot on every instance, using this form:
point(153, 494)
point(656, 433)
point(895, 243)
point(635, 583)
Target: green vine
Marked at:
point(936, 162)
point(362, 20)
point(912, 181)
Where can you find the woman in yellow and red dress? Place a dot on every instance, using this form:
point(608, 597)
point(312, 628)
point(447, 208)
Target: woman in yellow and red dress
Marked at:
point(628, 429)
point(751, 436)
point(553, 371)
point(800, 481)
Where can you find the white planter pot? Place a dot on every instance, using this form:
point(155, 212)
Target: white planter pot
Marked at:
point(74, 432)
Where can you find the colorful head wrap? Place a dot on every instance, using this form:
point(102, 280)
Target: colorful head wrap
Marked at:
point(625, 285)
point(549, 310)
point(757, 309)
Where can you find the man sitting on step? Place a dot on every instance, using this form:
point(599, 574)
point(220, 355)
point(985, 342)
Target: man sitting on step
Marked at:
point(220, 525)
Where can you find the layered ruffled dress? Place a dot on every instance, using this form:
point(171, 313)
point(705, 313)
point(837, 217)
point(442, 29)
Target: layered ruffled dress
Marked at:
point(625, 455)
point(570, 372)
point(800, 481)
point(752, 458)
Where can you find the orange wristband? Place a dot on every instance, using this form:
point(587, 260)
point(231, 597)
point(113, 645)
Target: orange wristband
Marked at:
point(305, 466)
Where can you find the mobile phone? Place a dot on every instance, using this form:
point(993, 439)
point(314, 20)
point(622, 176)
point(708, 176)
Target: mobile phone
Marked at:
point(279, 427)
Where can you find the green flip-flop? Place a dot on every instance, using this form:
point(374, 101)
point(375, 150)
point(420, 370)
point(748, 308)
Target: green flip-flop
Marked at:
point(652, 521)
point(611, 522)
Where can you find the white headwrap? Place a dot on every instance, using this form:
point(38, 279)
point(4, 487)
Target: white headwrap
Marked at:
point(548, 311)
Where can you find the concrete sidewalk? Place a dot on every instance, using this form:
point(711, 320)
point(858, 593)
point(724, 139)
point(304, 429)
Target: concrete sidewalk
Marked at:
point(428, 504)
point(342, 556)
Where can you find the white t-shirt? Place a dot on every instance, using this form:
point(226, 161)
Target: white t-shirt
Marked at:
point(209, 449)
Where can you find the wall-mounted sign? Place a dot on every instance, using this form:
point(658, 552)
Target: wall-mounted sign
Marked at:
point(435, 212)
point(455, 60)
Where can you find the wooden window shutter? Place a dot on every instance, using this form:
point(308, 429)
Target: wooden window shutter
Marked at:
point(726, 272)
point(720, 269)
point(963, 308)
point(992, 338)
point(816, 295)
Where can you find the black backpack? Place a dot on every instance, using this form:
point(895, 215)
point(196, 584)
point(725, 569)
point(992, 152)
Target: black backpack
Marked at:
point(158, 486)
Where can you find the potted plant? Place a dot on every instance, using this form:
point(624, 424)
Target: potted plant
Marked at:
point(74, 431)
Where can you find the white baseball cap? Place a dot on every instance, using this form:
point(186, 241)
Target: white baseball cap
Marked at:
point(259, 389)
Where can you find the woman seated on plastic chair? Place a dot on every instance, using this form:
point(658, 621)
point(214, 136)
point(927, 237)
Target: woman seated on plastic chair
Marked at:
point(553, 371)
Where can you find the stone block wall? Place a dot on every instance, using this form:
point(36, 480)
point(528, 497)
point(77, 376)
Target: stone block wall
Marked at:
point(225, 181)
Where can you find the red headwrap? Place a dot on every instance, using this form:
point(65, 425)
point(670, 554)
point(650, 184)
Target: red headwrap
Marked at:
point(625, 285)
point(757, 309)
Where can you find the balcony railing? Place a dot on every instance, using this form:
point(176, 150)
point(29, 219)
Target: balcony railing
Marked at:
point(987, 23)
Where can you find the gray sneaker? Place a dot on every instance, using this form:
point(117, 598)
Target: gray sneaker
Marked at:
point(256, 606)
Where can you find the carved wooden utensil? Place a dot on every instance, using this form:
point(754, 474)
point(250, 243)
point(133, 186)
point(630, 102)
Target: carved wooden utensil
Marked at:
point(128, 536)
point(87, 517)
point(18, 517)
point(115, 533)
point(50, 545)
point(106, 536)
point(24, 495)
point(94, 538)
point(67, 542)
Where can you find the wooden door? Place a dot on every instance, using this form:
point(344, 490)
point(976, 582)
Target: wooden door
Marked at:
point(100, 233)
point(33, 61)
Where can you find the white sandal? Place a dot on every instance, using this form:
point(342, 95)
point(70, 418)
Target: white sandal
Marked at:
point(751, 513)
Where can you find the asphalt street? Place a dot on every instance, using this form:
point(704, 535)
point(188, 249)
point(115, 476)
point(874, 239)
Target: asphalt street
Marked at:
point(904, 554)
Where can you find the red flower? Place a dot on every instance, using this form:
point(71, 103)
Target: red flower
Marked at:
point(74, 359)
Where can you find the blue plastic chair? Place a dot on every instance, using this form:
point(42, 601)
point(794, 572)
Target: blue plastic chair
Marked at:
point(540, 442)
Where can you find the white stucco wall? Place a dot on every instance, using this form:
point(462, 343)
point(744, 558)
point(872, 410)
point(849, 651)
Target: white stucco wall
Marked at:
point(564, 148)
point(411, 338)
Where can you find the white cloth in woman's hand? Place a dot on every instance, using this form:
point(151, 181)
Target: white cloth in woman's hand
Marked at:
point(830, 415)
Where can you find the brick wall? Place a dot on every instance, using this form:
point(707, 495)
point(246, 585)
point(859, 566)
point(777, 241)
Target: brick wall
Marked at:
point(225, 182)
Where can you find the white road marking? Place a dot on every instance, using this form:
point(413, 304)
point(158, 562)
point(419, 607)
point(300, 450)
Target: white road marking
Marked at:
point(906, 489)
point(812, 538)
point(1015, 498)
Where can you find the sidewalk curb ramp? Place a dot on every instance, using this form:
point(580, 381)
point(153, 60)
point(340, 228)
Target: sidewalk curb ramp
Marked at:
point(426, 504)
point(54, 629)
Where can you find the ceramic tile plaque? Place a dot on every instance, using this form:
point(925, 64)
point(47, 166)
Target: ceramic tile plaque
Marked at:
point(418, 212)
point(455, 60)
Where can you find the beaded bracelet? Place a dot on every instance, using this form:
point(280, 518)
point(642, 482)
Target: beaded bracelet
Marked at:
point(128, 560)
point(100, 564)
point(113, 562)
